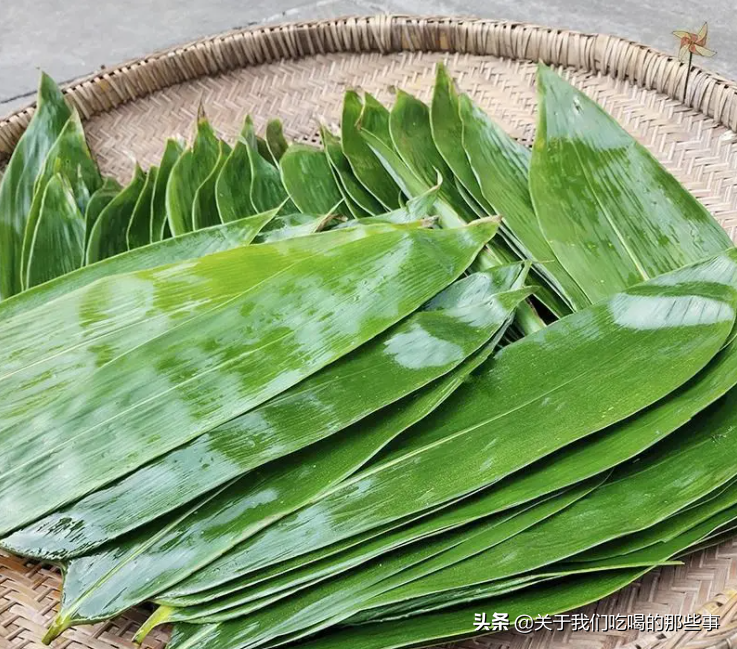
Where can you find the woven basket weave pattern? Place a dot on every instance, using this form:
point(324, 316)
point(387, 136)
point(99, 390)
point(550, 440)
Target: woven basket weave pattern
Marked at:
point(131, 110)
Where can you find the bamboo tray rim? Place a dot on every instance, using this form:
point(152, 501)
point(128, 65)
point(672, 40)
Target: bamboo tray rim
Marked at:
point(619, 58)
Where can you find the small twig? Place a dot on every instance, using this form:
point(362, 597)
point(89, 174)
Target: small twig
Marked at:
point(688, 75)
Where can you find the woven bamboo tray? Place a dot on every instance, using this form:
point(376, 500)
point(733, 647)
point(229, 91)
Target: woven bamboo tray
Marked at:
point(298, 72)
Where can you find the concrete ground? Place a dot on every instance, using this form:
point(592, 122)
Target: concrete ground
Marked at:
point(70, 39)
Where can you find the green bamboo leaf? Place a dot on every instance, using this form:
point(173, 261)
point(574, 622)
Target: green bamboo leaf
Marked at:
point(419, 350)
point(344, 555)
point(398, 271)
point(348, 205)
point(416, 208)
point(415, 211)
point(306, 173)
point(159, 223)
point(118, 325)
point(262, 147)
point(188, 173)
point(639, 494)
point(291, 226)
point(618, 443)
point(184, 474)
point(413, 186)
point(367, 168)
point(233, 187)
point(447, 133)
point(267, 189)
point(648, 558)
point(98, 202)
point(189, 246)
point(291, 574)
point(386, 424)
point(437, 628)
point(331, 561)
point(327, 562)
point(516, 387)
point(109, 234)
point(418, 164)
point(70, 157)
point(483, 212)
point(119, 314)
point(412, 137)
point(352, 188)
point(711, 542)
point(57, 246)
point(668, 529)
point(491, 531)
point(685, 542)
point(140, 226)
point(612, 214)
point(724, 532)
point(331, 600)
point(18, 182)
point(501, 166)
point(275, 139)
point(205, 211)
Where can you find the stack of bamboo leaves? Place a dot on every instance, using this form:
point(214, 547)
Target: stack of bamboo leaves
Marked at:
point(346, 397)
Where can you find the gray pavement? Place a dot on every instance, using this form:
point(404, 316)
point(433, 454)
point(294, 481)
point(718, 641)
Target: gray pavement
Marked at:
point(70, 39)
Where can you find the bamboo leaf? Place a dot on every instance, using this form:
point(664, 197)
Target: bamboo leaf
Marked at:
point(648, 559)
point(416, 209)
point(367, 168)
point(419, 350)
point(189, 246)
point(70, 157)
point(516, 388)
point(188, 173)
point(98, 202)
point(556, 597)
point(159, 222)
point(491, 531)
point(109, 234)
point(501, 166)
point(612, 214)
point(331, 601)
point(262, 147)
point(291, 226)
point(411, 135)
point(57, 247)
point(205, 209)
point(267, 189)
point(409, 154)
point(667, 530)
point(385, 425)
point(625, 440)
point(198, 360)
point(352, 189)
point(69, 353)
point(233, 187)
point(275, 139)
point(18, 182)
point(447, 133)
point(307, 176)
point(196, 468)
point(287, 575)
point(639, 494)
point(140, 226)
point(118, 325)
point(413, 186)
